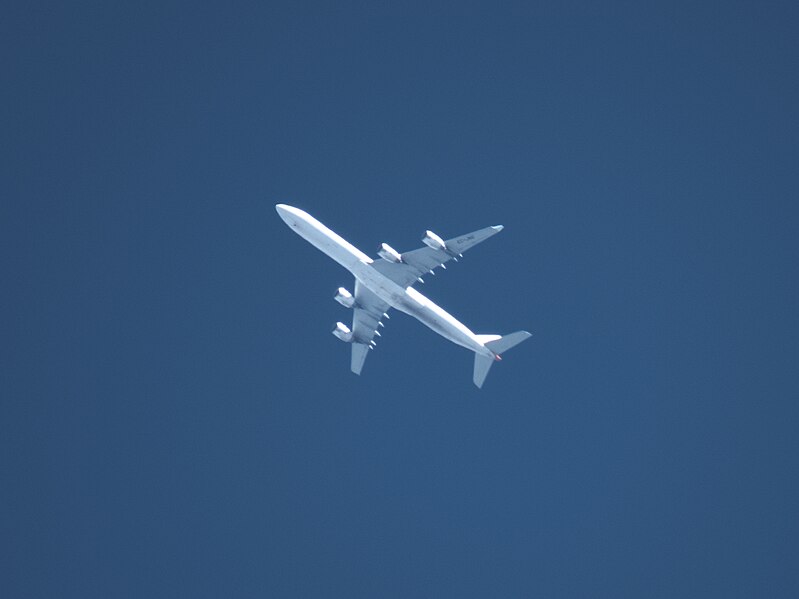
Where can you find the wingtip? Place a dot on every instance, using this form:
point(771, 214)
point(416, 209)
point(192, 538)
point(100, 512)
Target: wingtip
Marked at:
point(498, 228)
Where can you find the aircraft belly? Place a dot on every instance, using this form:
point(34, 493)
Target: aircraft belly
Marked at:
point(432, 321)
point(409, 301)
point(392, 290)
point(430, 315)
point(383, 287)
point(330, 243)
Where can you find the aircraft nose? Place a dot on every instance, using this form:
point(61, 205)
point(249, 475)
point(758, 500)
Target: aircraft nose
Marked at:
point(286, 212)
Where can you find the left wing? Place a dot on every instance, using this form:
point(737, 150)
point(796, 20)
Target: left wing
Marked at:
point(369, 310)
point(419, 262)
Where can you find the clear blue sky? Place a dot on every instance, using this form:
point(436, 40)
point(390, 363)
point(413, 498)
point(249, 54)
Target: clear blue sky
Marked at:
point(177, 420)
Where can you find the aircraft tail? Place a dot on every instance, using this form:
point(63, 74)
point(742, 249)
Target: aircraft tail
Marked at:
point(498, 345)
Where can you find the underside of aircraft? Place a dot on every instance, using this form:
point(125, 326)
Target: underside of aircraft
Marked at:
point(387, 283)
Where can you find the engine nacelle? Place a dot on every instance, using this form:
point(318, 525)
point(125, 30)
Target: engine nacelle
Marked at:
point(433, 241)
point(344, 298)
point(389, 254)
point(343, 332)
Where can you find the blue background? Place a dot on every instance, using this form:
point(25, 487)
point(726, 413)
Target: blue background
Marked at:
point(177, 420)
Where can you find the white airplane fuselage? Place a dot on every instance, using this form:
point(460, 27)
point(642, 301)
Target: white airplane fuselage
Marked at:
point(406, 300)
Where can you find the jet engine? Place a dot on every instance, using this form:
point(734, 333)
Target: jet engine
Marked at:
point(343, 332)
point(388, 253)
point(433, 241)
point(344, 298)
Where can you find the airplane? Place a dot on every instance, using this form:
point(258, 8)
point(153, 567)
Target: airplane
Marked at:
point(388, 283)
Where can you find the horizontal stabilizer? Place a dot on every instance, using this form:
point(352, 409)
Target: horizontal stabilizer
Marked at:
point(497, 344)
point(482, 365)
point(506, 342)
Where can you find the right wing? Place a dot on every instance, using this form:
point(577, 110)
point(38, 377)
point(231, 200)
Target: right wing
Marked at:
point(419, 262)
point(369, 310)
